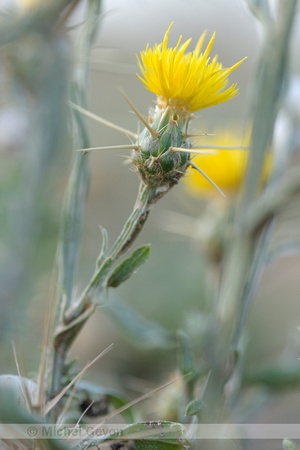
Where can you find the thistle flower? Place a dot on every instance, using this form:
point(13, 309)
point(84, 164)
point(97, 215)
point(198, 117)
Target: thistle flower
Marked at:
point(183, 83)
point(187, 82)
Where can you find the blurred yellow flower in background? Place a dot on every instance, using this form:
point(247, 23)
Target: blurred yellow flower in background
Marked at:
point(26, 4)
point(227, 168)
point(187, 82)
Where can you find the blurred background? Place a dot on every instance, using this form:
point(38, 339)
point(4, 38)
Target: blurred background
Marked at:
point(172, 288)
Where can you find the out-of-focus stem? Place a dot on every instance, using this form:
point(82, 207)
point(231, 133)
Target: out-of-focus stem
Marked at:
point(75, 200)
point(252, 221)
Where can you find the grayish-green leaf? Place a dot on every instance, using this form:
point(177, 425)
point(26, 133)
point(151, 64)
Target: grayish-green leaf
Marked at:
point(279, 376)
point(145, 444)
point(185, 353)
point(143, 333)
point(129, 266)
point(195, 407)
point(261, 10)
point(76, 193)
point(162, 435)
point(72, 220)
point(289, 445)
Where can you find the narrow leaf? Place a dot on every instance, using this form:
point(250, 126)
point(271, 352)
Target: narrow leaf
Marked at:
point(185, 353)
point(289, 445)
point(140, 331)
point(148, 435)
point(194, 407)
point(129, 266)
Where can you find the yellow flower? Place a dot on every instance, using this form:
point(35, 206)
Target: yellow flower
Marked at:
point(226, 168)
point(187, 82)
point(29, 4)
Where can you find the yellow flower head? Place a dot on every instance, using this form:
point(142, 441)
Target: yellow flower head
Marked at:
point(27, 4)
point(187, 82)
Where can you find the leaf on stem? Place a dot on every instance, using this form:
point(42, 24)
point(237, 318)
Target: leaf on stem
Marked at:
point(195, 407)
point(140, 331)
point(129, 266)
point(289, 445)
point(185, 354)
point(158, 435)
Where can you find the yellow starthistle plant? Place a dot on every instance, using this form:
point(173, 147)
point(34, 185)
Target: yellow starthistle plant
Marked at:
point(184, 83)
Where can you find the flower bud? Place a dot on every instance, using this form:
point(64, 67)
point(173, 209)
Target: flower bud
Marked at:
point(156, 159)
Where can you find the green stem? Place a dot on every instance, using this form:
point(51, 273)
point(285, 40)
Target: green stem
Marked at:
point(134, 222)
point(81, 309)
point(258, 261)
point(268, 89)
point(125, 239)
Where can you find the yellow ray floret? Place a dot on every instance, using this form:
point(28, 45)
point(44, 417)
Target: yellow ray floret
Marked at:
point(188, 81)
